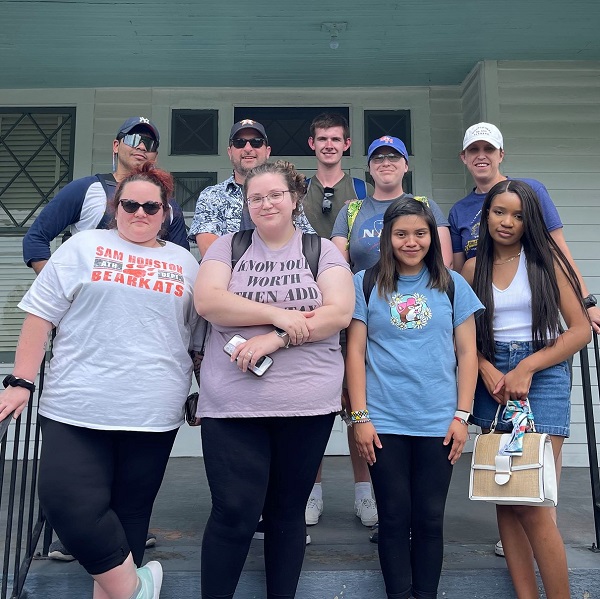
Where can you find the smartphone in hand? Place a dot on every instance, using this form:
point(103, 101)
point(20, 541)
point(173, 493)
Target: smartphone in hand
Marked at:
point(262, 364)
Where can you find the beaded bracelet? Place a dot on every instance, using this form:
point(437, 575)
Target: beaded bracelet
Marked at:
point(360, 415)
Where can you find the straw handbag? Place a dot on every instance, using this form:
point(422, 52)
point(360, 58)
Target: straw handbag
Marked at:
point(529, 479)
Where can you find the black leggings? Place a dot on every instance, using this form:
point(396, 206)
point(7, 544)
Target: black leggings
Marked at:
point(254, 466)
point(410, 479)
point(97, 489)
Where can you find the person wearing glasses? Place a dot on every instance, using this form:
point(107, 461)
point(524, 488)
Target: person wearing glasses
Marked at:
point(84, 204)
point(263, 437)
point(357, 229)
point(127, 337)
point(220, 208)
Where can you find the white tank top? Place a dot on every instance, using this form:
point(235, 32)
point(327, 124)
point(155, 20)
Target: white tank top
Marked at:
point(512, 307)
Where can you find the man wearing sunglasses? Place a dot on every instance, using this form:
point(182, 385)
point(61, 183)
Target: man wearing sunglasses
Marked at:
point(220, 208)
point(82, 204)
point(330, 187)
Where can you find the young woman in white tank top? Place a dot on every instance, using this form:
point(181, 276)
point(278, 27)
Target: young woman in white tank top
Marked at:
point(526, 284)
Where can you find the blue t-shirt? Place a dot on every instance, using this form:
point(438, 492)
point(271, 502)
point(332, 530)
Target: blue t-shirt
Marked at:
point(366, 229)
point(465, 217)
point(410, 363)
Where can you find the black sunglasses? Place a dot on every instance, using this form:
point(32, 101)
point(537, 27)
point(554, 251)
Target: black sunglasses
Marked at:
point(133, 140)
point(327, 204)
point(240, 142)
point(132, 207)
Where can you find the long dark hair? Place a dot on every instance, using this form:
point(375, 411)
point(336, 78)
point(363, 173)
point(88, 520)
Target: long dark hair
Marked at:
point(542, 254)
point(387, 277)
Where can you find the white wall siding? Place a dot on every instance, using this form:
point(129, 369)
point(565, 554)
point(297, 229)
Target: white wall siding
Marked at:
point(447, 170)
point(550, 120)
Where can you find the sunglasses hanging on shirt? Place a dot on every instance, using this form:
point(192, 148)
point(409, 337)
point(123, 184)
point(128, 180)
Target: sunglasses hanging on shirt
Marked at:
point(327, 204)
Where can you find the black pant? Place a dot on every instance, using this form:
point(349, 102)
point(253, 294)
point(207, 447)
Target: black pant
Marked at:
point(410, 479)
point(254, 466)
point(97, 489)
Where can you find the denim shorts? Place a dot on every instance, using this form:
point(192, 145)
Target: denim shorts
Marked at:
point(549, 394)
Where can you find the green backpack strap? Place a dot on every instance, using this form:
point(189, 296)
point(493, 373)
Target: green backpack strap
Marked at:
point(353, 209)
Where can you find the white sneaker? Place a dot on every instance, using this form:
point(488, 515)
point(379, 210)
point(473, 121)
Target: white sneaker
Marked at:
point(150, 576)
point(498, 549)
point(366, 510)
point(314, 509)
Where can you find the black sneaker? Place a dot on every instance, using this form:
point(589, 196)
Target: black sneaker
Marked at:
point(150, 540)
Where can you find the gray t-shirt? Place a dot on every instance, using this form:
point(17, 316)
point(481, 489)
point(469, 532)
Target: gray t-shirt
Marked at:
point(312, 203)
point(366, 230)
point(125, 322)
point(304, 380)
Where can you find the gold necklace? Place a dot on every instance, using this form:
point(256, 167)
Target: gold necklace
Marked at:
point(508, 260)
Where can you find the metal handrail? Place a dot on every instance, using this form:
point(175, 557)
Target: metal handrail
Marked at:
point(591, 431)
point(25, 520)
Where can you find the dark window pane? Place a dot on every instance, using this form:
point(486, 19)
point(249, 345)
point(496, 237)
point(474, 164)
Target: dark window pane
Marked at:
point(388, 122)
point(194, 132)
point(288, 129)
point(188, 187)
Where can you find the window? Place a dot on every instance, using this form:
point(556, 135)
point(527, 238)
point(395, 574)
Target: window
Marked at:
point(388, 122)
point(194, 132)
point(288, 129)
point(36, 161)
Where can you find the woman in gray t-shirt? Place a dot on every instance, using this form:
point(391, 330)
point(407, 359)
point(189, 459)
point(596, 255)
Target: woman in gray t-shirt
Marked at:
point(263, 437)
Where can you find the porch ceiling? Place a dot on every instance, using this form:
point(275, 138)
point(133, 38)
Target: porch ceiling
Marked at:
point(187, 43)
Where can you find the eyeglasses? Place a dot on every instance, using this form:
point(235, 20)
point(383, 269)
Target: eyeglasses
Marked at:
point(327, 204)
point(133, 140)
point(240, 142)
point(131, 207)
point(379, 158)
point(275, 197)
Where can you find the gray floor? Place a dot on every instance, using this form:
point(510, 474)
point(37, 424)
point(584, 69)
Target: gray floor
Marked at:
point(340, 562)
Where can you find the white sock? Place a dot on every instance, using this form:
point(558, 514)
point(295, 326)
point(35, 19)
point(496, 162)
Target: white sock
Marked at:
point(362, 491)
point(317, 491)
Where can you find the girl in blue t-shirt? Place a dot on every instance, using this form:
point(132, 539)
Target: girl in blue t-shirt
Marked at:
point(409, 407)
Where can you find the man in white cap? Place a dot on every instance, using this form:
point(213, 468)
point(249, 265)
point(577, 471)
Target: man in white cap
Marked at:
point(220, 208)
point(482, 154)
point(82, 204)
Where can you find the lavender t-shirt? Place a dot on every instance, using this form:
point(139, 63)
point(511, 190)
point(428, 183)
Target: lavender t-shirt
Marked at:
point(304, 380)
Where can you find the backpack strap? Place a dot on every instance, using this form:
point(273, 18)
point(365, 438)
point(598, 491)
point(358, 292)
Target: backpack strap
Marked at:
point(360, 188)
point(239, 244)
point(353, 210)
point(369, 281)
point(109, 184)
point(311, 248)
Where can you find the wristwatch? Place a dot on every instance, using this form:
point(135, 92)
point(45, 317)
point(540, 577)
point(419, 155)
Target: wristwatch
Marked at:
point(589, 301)
point(283, 334)
point(14, 381)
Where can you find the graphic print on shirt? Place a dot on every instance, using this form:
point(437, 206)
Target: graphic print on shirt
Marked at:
point(471, 244)
point(280, 282)
point(409, 311)
point(369, 234)
point(114, 266)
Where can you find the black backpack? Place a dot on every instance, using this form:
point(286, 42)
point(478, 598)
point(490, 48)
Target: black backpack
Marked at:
point(370, 279)
point(311, 248)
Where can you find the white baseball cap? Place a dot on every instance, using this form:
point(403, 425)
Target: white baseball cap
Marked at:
point(483, 132)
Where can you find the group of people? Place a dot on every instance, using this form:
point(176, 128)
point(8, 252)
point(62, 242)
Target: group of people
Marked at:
point(130, 307)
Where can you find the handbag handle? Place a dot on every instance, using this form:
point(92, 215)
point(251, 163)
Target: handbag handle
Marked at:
point(495, 421)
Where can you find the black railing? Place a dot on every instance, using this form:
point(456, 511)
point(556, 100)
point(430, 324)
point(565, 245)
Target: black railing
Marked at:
point(24, 518)
point(588, 407)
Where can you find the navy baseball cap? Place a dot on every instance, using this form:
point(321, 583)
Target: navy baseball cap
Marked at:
point(248, 124)
point(389, 142)
point(138, 121)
